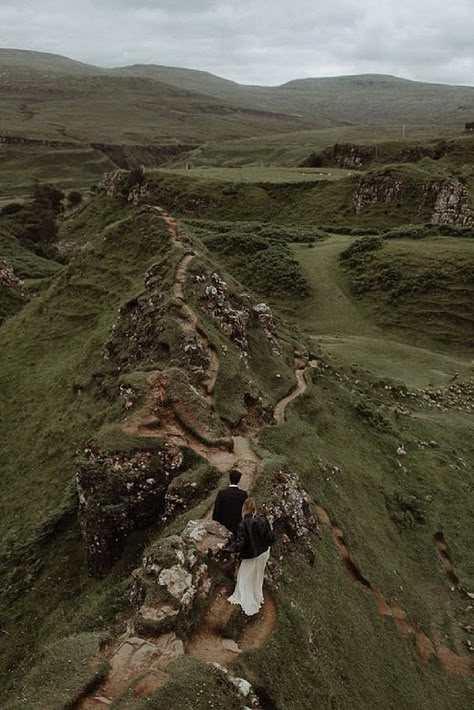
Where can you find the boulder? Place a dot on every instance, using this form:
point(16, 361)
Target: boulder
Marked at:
point(176, 578)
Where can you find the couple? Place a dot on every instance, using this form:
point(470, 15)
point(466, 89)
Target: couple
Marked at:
point(252, 539)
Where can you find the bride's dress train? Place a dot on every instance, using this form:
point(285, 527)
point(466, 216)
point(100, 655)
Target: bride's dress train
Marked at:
point(248, 590)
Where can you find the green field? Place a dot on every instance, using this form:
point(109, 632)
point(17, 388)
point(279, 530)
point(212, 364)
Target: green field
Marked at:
point(70, 168)
point(364, 333)
point(249, 174)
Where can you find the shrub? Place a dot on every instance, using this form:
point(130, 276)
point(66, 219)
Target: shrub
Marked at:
point(74, 198)
point(47, 197)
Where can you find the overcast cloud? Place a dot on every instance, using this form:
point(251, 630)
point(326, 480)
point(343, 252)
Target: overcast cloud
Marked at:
point(255, 41)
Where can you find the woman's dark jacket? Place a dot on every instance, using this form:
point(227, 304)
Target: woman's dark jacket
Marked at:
point(254, 536)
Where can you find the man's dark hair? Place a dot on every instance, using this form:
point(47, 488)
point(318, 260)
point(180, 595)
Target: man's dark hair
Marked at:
point(234, 476)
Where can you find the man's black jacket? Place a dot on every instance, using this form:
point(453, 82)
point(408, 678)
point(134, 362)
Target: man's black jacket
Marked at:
point(228, 507)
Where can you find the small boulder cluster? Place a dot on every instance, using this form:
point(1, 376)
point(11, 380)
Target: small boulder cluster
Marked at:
point(456, 395)
point(176, 577)
point(234, 320)
point(265, 318)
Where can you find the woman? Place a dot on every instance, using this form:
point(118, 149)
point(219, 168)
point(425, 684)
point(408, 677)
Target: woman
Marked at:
point(253, 541)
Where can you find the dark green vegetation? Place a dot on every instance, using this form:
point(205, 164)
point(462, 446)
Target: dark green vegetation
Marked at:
point(424, 288)
point(259, 254)
point(386, 315)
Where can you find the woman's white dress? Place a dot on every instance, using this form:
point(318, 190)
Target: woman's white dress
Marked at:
point(248, 590)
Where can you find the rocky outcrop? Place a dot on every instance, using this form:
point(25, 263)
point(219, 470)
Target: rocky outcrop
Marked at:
point(187, 491)
point(127, 186)
point(10, 281)
point(451, 202)
point(289, 511)
point(374, 189)
point(244, 690)
point(342, 155)
point(119, 492)
point(176, 578)
point(235, 314)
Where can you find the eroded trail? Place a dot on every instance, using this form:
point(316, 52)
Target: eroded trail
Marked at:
point(449, 660)
point(132, 658)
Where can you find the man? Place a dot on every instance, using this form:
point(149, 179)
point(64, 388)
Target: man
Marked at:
point(229, 502)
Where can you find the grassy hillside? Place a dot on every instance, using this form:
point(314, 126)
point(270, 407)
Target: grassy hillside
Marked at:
point(45, 96)
point(421, 287)
point(385, 197)
point(70, 168)
point(76, 364)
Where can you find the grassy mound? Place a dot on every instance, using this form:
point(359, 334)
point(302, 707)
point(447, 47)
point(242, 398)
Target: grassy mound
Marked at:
point(425, 288)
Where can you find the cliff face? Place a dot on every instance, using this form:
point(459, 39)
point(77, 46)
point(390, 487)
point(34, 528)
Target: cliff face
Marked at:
point(439, 202)
point(374, 189)
point(451, 203)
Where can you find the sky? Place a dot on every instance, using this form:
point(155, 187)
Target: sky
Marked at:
point(255, 41)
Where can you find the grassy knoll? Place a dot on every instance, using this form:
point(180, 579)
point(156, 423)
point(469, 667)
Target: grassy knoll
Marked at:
point(380, 198)
point(292, 148)
point(422, 287)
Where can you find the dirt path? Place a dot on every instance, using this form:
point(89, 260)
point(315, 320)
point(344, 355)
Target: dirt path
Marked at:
point(131, 657)
point(209, 643)
point(426, 647)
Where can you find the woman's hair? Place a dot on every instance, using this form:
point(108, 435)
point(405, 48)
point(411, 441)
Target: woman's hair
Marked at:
point(249, 507)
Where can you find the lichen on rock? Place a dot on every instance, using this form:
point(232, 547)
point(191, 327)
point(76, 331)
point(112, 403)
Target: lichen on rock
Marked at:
point(119, 492)
point(176, 577)
point(289, 510)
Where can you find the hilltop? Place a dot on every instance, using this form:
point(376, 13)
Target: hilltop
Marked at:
point(53, 97)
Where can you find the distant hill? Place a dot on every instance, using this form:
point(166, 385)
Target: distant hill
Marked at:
point(46, 95)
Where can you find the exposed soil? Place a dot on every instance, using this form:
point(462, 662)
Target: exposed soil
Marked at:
point(208, 642)
point(446, 561)
point(449, 660)
point(145, 660)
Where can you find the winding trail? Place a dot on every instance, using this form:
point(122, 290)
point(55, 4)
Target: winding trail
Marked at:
point(145, 661)
point(132, 658)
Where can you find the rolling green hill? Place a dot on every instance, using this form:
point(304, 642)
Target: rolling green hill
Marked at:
point(49, 96)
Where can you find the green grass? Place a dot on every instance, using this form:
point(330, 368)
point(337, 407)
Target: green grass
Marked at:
point(63, 671)
point(57, 392)
point(364, 332)
point(322, 202)
point(50, 407)
point(68, 168)
point(323, 613)
point(290, 149)
point(422, 287)
point(250, 174)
